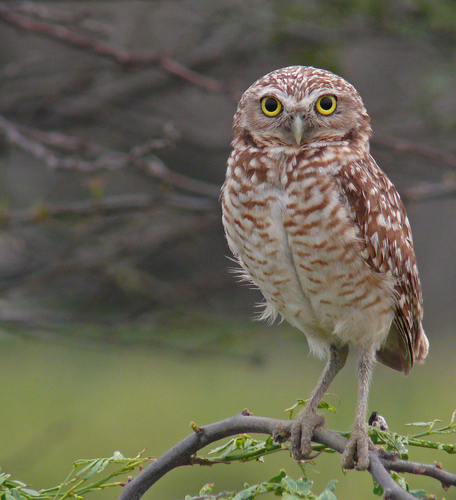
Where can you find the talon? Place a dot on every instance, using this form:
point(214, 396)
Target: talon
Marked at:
point(356, 453)
point(301, 434)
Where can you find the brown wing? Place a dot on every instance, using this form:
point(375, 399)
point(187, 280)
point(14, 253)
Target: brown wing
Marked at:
point(388, 247)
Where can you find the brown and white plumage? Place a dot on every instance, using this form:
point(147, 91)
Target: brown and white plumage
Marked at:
point(320, 229)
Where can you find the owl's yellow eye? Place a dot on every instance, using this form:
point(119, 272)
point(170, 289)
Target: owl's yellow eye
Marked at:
point(271, 106)
point(326, 105)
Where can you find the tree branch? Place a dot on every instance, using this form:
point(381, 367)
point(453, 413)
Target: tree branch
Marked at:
point(429, 191)
point(124, 57)
point(404, 146)
point(184, 454)
point(131, 58)
point(40, 144)
point(106, 205)
point(431, 470)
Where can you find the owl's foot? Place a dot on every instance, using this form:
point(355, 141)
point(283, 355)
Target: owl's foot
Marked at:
point(301, 433)
point(356, 453)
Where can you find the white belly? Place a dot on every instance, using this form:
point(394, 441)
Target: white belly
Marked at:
point(304, 254)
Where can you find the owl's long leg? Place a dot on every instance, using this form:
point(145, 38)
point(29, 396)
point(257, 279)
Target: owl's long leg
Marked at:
point(309, 419)
point(358, 445)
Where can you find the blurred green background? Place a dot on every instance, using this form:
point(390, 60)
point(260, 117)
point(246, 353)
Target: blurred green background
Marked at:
point(120, 321)
point(63, 402)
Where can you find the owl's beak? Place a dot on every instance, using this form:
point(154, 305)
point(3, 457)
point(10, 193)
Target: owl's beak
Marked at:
point(297, 127)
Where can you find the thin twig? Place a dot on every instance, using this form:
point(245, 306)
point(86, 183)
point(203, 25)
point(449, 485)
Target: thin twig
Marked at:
point(70, 37)
point(39, 144)
point(429, 191)
point(124, 57)
point(403, 146)
point(158, 169)
point(130, 58)
point(431, 470)
point(106, 205)
point(13, 136)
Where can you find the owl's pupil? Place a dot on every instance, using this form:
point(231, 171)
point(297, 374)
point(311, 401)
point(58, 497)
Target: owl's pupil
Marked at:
point(326, 103)
point(271, 105)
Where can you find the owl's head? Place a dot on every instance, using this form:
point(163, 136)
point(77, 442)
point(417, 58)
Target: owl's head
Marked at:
point(301, 106)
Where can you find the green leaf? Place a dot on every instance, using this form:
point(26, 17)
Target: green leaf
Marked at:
point(400, 480)
point(328, 494)
point(332, 485)
point(323, 405)
point(19, 483)
point(29, 492)
point(3, 478)
point(299, 402)
point(424, 424)
point(244, 448)
point(393, 441)
point(245, 494)
point(91, 464)
point(303, 485)
point(206, 489)
point(17, 495)
point(419, 493)
point(94, 467)
point(278, 479)
point(378, 490)
point(289, 484)
point(453, 419)
point(219, 449)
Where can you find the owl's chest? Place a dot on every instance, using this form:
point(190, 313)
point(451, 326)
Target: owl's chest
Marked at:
point(298, 242)
point(290, 232)
point(286, 215)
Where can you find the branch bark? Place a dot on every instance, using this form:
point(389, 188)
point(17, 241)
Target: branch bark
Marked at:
point(431, 470)
point(184, 454)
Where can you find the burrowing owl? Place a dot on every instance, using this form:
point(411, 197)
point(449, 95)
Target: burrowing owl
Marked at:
point(320, 229)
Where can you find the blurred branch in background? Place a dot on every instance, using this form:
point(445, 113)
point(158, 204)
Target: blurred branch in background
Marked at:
point(130, 58)
point(84, 181)
point(122, 57)
point(60, 151)
point(43, 144)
